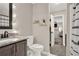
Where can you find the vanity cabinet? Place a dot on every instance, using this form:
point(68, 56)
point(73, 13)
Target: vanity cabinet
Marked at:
point(7, 50)
point(20, 48)
point(14, 49)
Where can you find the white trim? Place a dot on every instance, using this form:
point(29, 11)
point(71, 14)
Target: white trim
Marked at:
point(52, 35)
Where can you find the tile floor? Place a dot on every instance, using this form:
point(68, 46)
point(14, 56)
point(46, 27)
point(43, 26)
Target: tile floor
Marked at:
point(58, 50)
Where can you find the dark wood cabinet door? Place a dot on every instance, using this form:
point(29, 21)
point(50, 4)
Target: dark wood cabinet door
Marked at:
point(16, 49)
point(12, 50)
point(20, 48)
point(6, 51)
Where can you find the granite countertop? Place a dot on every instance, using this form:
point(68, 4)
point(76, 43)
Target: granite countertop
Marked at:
point(7, 41)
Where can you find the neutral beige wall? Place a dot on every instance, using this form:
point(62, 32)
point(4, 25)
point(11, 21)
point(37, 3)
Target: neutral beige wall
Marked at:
point(69, 27)
point(23, 18)
point(25, 24)
point(41, 33)
point(68, 30)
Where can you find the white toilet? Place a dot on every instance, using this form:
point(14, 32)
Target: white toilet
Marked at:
point(34, 49)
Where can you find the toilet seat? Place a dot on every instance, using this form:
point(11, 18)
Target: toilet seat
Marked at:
point(36, 47)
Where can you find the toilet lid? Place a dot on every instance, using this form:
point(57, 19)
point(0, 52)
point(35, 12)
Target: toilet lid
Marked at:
point(36, 46)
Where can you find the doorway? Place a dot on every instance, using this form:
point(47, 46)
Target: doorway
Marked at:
point(58, 29)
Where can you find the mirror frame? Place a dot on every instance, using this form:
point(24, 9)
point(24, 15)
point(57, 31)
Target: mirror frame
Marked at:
point(10, 18)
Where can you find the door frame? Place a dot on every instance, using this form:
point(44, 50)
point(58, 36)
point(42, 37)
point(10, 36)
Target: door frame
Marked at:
point(63, 19)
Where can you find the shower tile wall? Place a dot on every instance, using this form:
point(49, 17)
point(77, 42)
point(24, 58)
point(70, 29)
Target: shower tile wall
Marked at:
point(75, 31)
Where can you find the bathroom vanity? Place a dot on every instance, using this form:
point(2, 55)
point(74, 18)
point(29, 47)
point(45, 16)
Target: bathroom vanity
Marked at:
point(13, 47)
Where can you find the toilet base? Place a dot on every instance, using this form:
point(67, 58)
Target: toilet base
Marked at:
point(36, 49)
point(37, 53)
point(44, 53)
point(31, 53)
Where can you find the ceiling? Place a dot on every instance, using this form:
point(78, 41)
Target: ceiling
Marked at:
point(54, 7)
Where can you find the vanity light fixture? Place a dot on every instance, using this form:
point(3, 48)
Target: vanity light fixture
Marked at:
point(43, 22)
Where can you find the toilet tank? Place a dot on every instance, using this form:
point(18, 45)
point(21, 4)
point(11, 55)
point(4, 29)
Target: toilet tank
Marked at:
point(30, 40)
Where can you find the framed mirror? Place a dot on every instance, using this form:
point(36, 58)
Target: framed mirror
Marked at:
point(5, 15)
